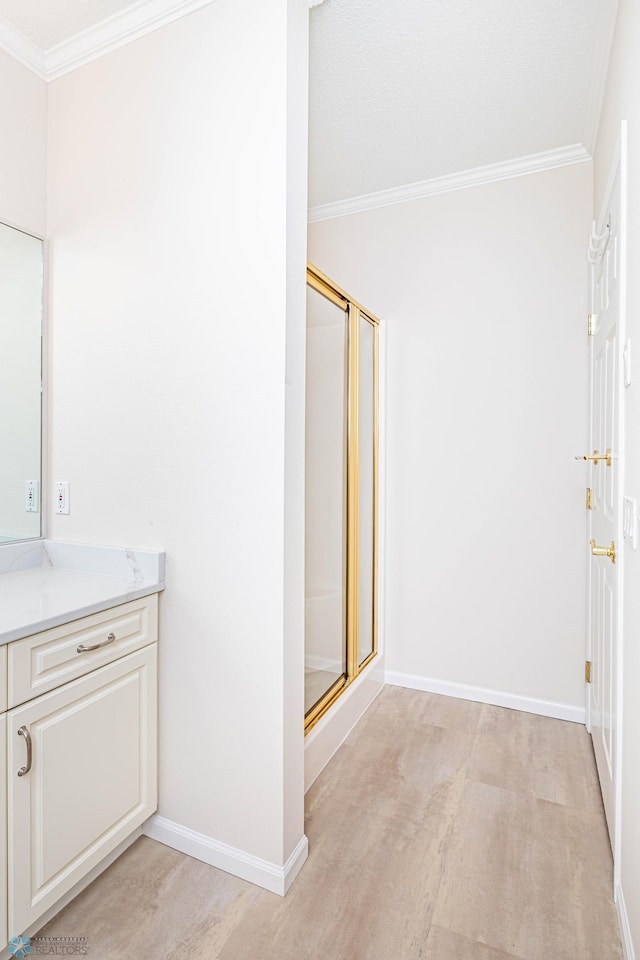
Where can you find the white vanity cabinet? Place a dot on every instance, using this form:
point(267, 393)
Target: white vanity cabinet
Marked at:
point(4, 934)
point(81, 750)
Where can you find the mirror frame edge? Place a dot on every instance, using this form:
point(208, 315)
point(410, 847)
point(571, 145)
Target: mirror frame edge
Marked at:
point(44, 380)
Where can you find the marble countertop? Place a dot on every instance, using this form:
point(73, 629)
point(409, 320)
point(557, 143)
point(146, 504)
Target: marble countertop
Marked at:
point(46, 583)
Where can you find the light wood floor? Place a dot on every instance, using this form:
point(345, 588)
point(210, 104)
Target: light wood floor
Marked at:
point(441, 830)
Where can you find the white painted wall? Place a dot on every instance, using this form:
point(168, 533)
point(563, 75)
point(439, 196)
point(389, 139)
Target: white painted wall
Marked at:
point(622, 101)
point(23, 146)
point(177, 316)
point(483, 294)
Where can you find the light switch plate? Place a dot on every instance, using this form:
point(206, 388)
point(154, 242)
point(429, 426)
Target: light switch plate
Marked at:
point(32, 496)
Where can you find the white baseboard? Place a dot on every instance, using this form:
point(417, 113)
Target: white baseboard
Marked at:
point(232, 860)
point(463, 691)
point(625, 929)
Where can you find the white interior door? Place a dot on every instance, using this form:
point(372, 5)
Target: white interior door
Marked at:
point(606, 475)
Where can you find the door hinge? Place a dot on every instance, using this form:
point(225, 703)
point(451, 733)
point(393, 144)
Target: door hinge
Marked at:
point(589, 499)
point(587, 671)
point(591, 324)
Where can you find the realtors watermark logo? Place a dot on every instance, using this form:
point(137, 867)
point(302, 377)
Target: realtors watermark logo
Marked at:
point(21, 947)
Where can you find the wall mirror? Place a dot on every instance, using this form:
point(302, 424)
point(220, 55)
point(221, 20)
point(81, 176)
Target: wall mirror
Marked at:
point(21, 312)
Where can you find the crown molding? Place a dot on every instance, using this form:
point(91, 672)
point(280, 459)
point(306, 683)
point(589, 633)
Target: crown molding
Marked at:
point(22, 49)
point(115, 32)
point(108, 35)
point(505, 170)
point(607, 14)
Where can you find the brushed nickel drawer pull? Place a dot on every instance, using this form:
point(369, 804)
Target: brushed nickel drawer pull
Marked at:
point(23, 732)
point(84, 648)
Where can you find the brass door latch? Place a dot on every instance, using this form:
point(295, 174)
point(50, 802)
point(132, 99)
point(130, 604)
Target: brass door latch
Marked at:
point(604, 551)
point(598, 456)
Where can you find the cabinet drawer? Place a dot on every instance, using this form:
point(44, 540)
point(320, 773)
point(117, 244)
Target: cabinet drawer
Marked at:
point(46, 660)
point(3, 678)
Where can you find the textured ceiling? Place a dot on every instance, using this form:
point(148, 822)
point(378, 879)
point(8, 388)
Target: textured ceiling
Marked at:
point(403, 91)
point(48, 22)
point(407, 90)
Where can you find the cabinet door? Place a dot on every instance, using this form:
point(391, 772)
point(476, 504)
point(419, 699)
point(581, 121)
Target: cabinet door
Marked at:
point(91, 782)
point(4, 936)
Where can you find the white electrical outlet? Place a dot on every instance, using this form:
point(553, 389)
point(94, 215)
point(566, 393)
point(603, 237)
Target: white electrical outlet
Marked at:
point(62, 496)
point(32, 496)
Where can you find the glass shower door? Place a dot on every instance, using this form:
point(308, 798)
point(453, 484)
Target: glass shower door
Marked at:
point(341, 492)
point(325, 516)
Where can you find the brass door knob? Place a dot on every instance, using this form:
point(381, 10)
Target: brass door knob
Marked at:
point(598, 456)
point(604, 551)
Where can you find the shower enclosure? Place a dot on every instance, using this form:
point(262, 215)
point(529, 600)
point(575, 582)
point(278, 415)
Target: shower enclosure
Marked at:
point(341, 492)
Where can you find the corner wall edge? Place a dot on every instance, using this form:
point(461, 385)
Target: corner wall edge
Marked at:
point(239, 863)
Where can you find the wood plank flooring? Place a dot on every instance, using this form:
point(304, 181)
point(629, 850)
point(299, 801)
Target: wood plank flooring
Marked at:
point(441, 830)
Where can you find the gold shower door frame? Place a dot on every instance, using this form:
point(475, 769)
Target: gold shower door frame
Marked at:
point(355, 312)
